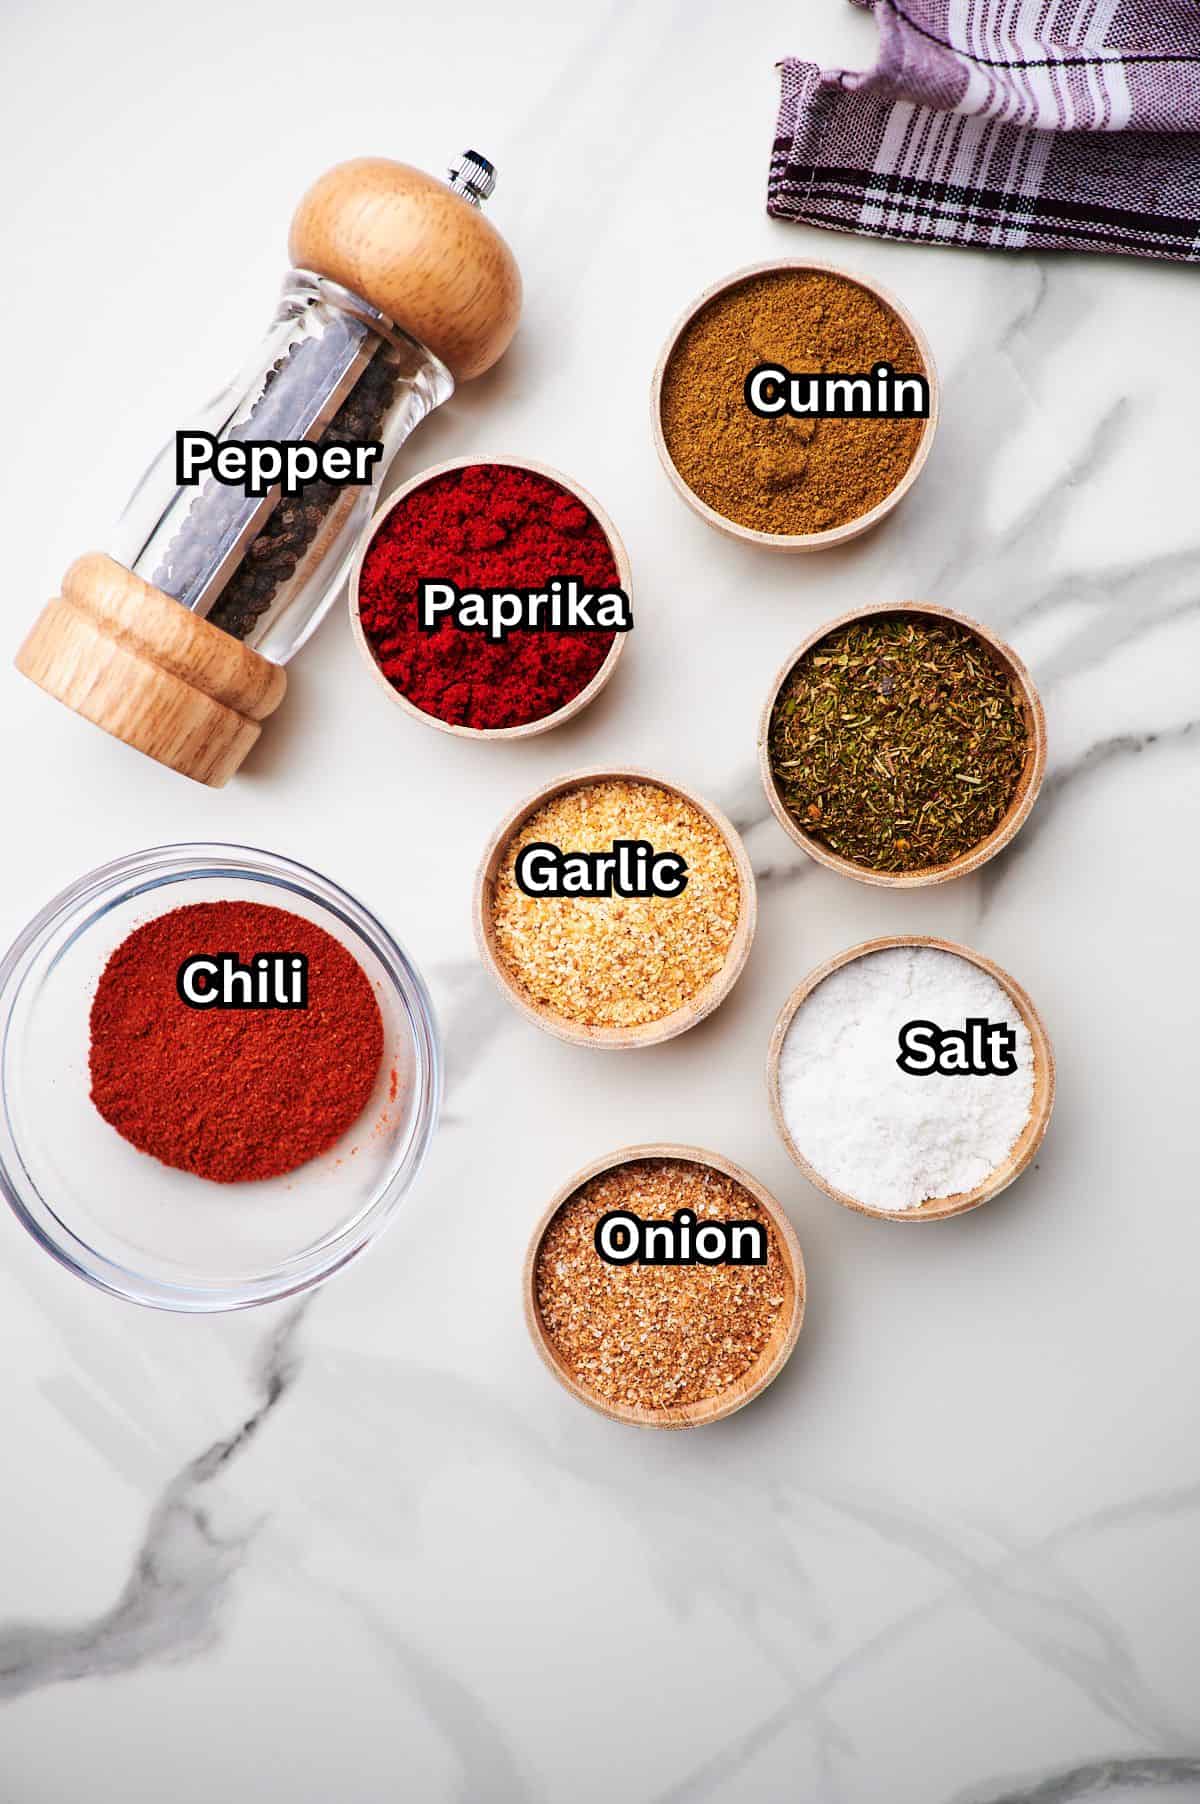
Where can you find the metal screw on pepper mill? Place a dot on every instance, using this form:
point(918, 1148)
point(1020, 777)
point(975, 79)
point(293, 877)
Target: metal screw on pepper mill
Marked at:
point(176, 642)
point(473, 177)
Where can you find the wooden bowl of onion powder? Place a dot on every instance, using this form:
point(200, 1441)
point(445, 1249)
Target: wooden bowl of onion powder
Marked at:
point(911, 1078)
point(640, 1291)
point(615, 909)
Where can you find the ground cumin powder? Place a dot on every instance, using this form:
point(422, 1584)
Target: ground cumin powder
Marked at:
point(785, 475)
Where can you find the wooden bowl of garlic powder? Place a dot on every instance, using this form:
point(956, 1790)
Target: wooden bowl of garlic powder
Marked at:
point(620, 970)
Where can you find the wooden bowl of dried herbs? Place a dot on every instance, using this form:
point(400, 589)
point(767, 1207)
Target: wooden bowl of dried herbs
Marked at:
point(902, 744)
point(720, 1331)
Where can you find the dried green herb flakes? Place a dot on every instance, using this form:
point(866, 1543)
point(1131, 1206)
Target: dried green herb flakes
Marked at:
point(898, 741)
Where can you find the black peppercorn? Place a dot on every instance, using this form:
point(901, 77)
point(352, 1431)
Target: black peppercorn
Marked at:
point(274, 556)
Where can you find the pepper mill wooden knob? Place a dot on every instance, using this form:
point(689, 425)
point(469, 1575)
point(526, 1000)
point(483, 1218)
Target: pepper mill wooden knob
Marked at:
point(419, 252)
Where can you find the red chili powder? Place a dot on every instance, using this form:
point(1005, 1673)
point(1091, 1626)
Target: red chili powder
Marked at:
point(232, 1094)
point(484, 527)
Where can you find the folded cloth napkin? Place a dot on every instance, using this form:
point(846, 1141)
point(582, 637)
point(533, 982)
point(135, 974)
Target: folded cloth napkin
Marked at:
point(1020, 124)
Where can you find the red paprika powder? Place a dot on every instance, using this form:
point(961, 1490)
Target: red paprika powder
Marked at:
point(485, 527)
point(232, 1094)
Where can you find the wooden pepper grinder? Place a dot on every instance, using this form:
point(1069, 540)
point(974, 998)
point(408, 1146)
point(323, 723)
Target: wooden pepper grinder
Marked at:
point(177, 642)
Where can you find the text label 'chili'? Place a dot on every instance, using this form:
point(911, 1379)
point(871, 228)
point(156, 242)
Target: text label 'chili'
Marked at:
point(221, 980)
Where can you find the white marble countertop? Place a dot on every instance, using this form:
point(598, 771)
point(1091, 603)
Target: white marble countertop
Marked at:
point(365, 1548)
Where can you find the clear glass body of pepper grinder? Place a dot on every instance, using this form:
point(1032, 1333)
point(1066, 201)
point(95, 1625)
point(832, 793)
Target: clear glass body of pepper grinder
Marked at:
point(176, 642)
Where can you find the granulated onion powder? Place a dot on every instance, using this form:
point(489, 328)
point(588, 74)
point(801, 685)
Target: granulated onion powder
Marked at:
point(885, 1137)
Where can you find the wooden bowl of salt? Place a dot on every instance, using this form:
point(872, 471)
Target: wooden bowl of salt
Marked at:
point(1024, 1147)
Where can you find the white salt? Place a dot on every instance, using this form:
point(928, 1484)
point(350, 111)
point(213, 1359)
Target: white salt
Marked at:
point(887, 1138)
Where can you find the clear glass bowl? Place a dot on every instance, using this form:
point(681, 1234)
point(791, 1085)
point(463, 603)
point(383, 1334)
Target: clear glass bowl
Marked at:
point(140, 1229)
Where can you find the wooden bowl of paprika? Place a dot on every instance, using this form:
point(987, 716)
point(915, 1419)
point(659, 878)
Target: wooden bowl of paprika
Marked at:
point(950, 741)
point(630, 965)
point(784, 482)
point(489, 525)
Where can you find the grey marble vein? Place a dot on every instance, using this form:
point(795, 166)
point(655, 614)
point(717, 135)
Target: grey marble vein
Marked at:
point(1118, 746)
point(1138, 595)
point(1030, 311)
point(472, 1014)
point(169, 1607)
point(1097, 756)
point(1038, 1605)
point(713, 1778)
point(488, 1766)
point(986, 571)
point(1112, 1779)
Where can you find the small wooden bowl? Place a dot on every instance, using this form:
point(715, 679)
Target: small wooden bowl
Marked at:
point(1024, 797)
point(832, 535)
point(937, 1208)
point(774, 1356)
point(651, 1033)
point(577, 702)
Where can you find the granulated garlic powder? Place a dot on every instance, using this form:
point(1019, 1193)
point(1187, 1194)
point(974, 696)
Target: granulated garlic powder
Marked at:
point(616, 961)
point(886, 1138)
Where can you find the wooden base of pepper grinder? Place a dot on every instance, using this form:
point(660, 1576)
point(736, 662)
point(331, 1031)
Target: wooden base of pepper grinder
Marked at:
point(129, 658)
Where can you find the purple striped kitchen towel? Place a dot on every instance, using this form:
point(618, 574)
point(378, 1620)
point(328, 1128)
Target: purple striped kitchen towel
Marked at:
point(1021, 124)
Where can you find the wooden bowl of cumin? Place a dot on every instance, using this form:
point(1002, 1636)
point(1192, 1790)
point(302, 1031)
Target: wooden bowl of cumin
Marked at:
point(1025, 790)
point(782, 269)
